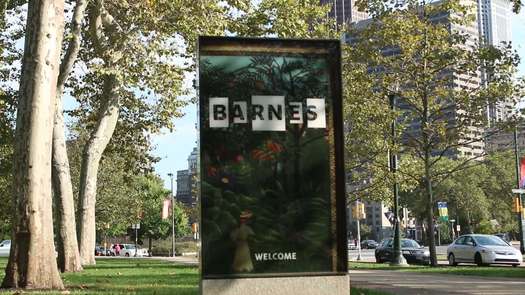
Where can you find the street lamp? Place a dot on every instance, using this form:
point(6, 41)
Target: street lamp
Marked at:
point(397, 259)
point(520, 198)
point(172, 217)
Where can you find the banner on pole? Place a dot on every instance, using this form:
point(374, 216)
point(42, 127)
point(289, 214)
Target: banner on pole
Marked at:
point(166, 205)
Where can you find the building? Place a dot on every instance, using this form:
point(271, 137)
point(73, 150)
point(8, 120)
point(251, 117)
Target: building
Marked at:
point(495, 29)
point(345, 11)
point(376, 219)
point(186, 181)
point(494, 21)
point(504, 141)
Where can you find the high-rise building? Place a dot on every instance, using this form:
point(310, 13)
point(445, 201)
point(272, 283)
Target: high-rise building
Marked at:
point(494, 21)
point(345, 11)
point(494, 29)
point(186, 181)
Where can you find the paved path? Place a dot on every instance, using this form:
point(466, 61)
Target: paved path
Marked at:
point(404, 283)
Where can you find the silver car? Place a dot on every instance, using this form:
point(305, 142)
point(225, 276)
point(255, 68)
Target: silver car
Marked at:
point(5, 247)
point(482, 250)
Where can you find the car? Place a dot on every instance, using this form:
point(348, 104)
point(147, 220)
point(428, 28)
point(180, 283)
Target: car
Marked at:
point(101, 251)
point(5, 248)
point(504, 236)
point(410, 249)
point(482, 250)
point(352, 244)
point(129, 250)
point(369, 244)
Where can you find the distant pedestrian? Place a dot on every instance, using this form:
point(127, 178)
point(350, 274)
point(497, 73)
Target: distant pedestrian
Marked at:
point(117, 250)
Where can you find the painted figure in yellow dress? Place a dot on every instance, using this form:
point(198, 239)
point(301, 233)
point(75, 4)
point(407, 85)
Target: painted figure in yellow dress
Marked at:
point(242, 261)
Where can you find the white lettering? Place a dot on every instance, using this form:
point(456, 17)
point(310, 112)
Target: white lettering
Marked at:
point(296, 112)
point(271, 116)
point(219, 112)
point(316, 113)
point(282, 256)
point(267, 113)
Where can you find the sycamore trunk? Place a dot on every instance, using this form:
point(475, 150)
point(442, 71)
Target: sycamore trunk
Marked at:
point(68, 255)
point(91, 156)
point(32, 263)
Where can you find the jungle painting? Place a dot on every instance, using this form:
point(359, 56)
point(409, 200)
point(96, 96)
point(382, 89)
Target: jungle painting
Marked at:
point(267, 163)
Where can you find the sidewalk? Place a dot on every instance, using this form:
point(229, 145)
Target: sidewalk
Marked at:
point(185, 260)
point(404, 283)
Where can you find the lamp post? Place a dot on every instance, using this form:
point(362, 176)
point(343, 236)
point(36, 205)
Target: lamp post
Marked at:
point(397, 259)
point(358, 219)
point(172, 217)
point(520, 199)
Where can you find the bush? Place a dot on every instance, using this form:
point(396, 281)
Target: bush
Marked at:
point(163, 247)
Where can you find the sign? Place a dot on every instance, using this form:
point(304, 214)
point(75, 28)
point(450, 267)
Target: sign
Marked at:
point(135, 226)
point(443, 211)
point(272, 175)
point(522, 173)
point(166, 206)
point(518, 191)
point(358, 211)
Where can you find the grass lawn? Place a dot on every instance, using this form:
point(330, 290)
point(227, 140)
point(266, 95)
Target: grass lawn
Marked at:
point(130, 276)
point(470, 270)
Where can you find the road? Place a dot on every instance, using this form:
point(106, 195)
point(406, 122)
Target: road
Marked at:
point(429, 284)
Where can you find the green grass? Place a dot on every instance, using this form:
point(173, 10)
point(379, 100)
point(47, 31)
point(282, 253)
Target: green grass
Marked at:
point(129, 276)
point(471, 270)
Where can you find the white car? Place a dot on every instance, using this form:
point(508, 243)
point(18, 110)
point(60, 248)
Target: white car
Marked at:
point(129, 250)
point(482, 250)
point(5, 247)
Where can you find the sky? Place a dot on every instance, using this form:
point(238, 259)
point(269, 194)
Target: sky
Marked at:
point(174, 148)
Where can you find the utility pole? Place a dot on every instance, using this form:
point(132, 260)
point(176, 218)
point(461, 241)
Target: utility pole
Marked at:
point(397, 258)
point(172, 217)
point(520, 199)
point(358, 230)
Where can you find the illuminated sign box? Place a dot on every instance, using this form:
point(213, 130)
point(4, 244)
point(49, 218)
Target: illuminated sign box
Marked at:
point(271, 162)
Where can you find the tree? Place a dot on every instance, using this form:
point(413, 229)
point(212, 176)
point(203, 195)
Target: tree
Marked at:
point(68, 251)
point(132, 79)
point(425, 58)
point(8, 102)
point(150, 190)
point(32, 218)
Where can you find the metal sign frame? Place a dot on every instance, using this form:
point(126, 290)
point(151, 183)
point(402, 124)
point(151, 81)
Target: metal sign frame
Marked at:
point(242, 47)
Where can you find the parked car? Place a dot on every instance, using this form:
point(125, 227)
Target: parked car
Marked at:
point(5, 248)
point(482, 250)
point(369, 244)
point(129, 250)
point(410, 249)
point(101, 251)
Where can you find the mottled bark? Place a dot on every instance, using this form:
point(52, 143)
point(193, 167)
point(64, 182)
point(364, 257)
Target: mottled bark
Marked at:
point(68, 253)
point(97, 143)
point(32, 263)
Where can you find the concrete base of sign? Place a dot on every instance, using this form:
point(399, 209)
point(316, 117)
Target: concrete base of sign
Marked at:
point(307, 285)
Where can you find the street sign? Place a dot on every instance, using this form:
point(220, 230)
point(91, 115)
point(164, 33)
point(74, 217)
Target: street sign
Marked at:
point(518, 191)
point(135, 226)
point(272, 173)
point(443, 211)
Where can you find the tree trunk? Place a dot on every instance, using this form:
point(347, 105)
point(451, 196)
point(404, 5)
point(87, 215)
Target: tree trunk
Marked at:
point(149, 247)
point(68, 254)
point(97, 143)
point(430, 214)
point(32, 263)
